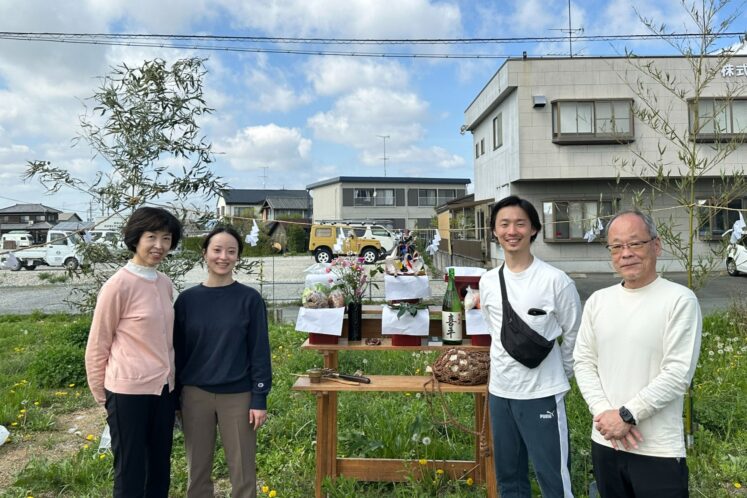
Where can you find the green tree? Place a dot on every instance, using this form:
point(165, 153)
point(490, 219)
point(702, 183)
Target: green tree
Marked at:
point(144, 123)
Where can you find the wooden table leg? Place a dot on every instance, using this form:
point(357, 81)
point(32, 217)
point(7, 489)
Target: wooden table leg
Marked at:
point(491, 481)
point(322, 441)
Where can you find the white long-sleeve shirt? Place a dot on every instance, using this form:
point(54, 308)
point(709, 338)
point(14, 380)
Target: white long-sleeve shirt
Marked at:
point(638, 348)
point(547, 288)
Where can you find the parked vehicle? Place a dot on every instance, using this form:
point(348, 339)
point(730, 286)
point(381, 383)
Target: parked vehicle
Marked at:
point(59, 250)
point(15, 239)
point(368, 230)
point(109, 237)
point(323, 240)
point(736, 257)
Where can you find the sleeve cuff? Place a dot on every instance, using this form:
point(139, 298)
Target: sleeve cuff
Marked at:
point(258, 402)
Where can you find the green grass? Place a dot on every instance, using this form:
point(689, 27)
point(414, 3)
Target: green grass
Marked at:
point(378, 425)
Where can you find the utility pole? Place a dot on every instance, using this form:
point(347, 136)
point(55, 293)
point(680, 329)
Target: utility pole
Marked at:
point(264, 178)
point(384, 137)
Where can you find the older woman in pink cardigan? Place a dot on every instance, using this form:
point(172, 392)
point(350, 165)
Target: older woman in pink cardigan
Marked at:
point(130, 357)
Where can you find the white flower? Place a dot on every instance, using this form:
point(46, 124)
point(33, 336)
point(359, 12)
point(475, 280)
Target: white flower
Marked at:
point(426, 441)
point(415, 437)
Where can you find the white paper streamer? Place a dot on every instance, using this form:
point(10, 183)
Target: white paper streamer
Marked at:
point(253, 236)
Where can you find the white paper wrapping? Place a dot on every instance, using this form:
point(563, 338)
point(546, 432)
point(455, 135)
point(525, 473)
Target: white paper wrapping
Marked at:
point(476, 323)
point(317, 273)
point(326, 321)
point(466, 271)
point(407, 324)
point(406, 287)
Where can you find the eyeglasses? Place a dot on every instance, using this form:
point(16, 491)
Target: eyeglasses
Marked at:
point(633, 246)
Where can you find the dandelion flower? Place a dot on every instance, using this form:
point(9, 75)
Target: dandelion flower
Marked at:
point(36, 403)
point(23, 410)
point(265, 489)
point(439, 471)
point(422, 461)
point(417, 371)
point(71, 385)
point(273, 494)
point(89, 437)
point(738, 485)
point(408, 394)
point(85, 446)
point(426, 440)
point(102, 456)
point(470, 481)
point(13, 424)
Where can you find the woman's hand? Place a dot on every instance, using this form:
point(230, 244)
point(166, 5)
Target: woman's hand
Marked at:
point(257, 418)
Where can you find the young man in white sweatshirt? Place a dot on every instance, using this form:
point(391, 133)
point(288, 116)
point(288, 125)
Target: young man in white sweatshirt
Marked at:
point(527, 407)
point(636, 353)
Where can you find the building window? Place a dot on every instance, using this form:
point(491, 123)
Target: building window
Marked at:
point(498, 131)
point(570, 220)
point(446, 195)
point(243, 212)
point(363, 197)
point(427, 197)
point(718, 119)
point(482, 146)
point(713, 222)
point(477, 150)
point(373, 197)
point(384, 197)
point(592, 121)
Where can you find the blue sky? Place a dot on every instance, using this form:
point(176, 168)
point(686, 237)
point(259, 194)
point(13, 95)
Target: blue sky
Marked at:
point(304, 118)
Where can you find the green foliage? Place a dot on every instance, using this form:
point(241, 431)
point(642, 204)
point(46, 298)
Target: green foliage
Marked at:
point(58, 365)
point(143, 124)
point(377, 425)
point(53, 278)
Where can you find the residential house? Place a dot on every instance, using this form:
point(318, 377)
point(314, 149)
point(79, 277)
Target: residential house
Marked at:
point(554, 130)
point(401, 201)
point(36, 219)
point(263, 204)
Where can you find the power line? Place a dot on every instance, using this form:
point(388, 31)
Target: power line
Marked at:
point(218, 42)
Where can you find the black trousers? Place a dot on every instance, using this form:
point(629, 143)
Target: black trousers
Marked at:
point(620, 474)
point(141, 427)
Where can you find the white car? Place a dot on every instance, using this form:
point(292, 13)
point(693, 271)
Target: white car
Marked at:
point(736, 257)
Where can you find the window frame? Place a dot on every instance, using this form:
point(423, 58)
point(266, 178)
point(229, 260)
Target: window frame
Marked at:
point(708, 218)
point(498, 131)
point(422, 198)
point(593, 136)
point(714, 135)
point(604, 209)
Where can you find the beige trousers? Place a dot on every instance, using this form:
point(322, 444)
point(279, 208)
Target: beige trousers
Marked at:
point(201, 412)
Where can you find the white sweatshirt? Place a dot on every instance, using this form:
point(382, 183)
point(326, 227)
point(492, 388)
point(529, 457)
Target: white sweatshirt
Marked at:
point(539, 286)
point(638, 348)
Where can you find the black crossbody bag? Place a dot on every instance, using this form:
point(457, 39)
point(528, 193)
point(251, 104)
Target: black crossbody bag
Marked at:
point(519, 340)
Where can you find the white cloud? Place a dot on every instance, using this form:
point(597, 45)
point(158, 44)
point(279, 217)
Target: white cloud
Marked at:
point(357, 118)
point(347, 18)
point(433, 157)
point(336, 75)
point(269, 146)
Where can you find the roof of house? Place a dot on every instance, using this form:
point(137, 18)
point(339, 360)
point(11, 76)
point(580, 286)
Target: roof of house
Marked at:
point(389, 179)
point(258, 196)
point(69, 226)
point(42, 225)
point(69, 217)
point(28, 209)
point(288, 202)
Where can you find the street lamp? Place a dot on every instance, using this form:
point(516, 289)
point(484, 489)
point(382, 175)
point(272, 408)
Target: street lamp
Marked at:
point(384, 137)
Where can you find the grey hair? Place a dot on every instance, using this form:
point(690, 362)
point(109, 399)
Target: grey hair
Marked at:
point(650, 225)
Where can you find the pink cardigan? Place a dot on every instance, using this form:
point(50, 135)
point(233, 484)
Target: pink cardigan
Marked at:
point(130, 348)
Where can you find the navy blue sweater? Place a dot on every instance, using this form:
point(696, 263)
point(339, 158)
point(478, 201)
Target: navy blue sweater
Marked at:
point(221, 341)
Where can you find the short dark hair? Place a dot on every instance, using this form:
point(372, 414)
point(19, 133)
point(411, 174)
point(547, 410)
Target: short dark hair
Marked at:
point(528, 207)
point(151, 219)
point(223, 229)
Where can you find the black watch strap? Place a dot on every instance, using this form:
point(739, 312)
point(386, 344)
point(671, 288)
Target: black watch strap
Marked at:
point(626, 416)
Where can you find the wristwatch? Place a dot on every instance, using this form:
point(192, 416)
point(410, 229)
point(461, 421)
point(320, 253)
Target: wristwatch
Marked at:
point(626, 416)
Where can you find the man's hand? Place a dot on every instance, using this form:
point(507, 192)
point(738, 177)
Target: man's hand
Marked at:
point(631, 440)
point(257, 418)
point(610, 425)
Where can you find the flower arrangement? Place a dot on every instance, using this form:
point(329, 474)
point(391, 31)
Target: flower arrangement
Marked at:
point(351, 277)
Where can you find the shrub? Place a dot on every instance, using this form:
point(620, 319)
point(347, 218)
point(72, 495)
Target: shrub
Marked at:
point(75, 333)
point(58, 365)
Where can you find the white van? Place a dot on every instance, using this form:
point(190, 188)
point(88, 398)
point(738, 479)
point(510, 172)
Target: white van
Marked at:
point(15, 240)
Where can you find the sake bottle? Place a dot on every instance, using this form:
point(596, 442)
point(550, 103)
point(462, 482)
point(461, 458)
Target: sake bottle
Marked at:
point(451, 314)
